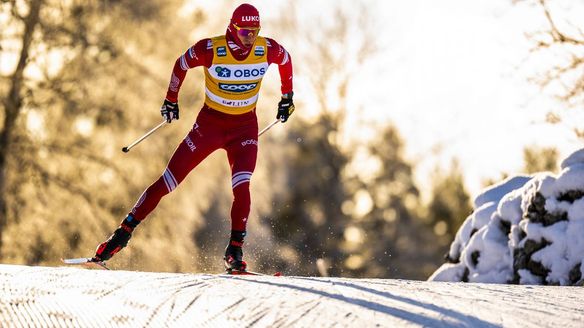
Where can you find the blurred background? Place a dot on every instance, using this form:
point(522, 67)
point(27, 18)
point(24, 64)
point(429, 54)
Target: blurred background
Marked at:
point(405, 111)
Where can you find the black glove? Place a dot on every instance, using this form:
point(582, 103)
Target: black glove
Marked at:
point(169, 110)
point(285, 107)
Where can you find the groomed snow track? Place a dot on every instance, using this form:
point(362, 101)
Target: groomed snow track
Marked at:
point(72, 297)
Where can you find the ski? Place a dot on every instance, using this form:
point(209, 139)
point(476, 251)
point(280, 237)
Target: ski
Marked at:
point(251, 273)
point(91, 263)
point(87, 262)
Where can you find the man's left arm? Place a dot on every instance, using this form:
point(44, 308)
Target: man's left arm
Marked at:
point(278, 55)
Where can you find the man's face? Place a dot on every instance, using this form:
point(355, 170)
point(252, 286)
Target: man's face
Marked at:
point(247, 36)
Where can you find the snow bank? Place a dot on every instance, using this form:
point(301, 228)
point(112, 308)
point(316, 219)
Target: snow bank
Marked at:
point(71, 297)
point(525, 230)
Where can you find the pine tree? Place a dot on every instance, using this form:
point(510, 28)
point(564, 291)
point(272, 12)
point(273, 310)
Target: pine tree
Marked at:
point(450, 204)
point(308, 213)
point(71, 96)
point(395, 243)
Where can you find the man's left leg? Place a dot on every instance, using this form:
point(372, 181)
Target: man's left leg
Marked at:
point(242, 157)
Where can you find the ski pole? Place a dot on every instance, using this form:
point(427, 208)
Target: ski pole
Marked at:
point(268, 127)
point(127, 148)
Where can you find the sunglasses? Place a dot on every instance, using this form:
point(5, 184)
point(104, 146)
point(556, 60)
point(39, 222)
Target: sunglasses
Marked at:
point(247, 31)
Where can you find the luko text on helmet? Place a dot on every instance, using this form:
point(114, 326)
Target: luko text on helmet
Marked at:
point(250, 18)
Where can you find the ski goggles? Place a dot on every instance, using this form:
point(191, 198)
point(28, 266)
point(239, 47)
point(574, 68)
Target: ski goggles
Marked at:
point(247, 31)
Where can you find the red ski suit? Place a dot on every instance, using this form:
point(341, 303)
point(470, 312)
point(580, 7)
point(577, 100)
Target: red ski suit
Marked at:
point(236, 132)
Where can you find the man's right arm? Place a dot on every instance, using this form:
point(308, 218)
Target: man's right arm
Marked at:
point(200, 54)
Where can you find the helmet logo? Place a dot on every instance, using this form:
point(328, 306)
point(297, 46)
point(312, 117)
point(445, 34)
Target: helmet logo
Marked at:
point(250, 18)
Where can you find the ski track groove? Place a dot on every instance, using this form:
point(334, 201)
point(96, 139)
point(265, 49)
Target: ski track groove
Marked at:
point(45, 313)
point(11, 305)
point(255, 318)
point(188, 307)
point(305, 312)
point(41, 315)
point(186, 289)
point(113, 289)
point(72, 313)
point(222, 312)
point(281, 319)
point(31, 314)
point(18, 316)
point(11, 314)
point(154, 316)
point(165, 310)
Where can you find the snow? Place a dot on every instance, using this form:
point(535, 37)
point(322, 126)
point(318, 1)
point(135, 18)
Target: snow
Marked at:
point(72, 297)
point(574, 159)
point(525, 230)
point(496, 192)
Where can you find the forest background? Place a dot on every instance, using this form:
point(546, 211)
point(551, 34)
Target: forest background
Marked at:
point(81, 79)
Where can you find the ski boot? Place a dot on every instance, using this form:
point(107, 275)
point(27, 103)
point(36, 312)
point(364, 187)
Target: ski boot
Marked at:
point(233, 259)
point(118, 240)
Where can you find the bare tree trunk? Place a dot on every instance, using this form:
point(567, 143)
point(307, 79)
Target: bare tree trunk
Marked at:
point(13, 106)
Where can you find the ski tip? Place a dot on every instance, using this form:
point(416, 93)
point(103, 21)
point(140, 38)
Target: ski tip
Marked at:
point(80, 260)
point(88, 262)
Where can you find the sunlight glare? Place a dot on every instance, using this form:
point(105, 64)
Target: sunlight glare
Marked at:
point(84, 126)
point(363, 203)
point(35, 123)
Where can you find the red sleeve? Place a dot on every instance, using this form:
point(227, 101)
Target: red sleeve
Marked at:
point(200, 54)
point(278, 55)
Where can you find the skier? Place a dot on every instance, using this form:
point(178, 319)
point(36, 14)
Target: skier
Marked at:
point(234, 65)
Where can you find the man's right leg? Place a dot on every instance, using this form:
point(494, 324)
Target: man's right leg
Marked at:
point(201, 141)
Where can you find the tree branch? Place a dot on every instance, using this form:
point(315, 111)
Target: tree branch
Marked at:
point(556, 34)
